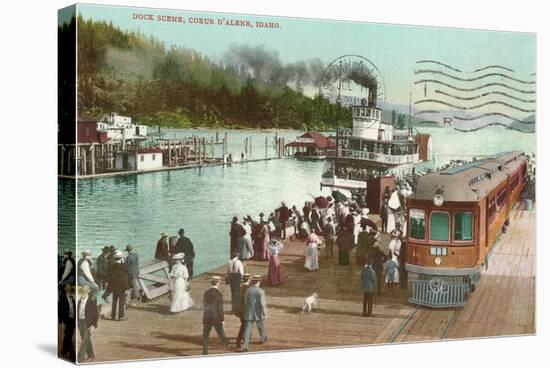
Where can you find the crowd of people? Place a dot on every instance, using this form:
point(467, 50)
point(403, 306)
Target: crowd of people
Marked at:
point(324, 222)
point(110, 276)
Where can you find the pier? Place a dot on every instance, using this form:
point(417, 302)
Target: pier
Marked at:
point(503, 304)
point(119, 158)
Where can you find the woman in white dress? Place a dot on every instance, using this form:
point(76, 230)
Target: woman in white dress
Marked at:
point(312, 254)
point(179, 284)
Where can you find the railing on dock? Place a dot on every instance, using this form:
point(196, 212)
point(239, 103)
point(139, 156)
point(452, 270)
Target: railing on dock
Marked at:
point(438, 293)
point(153, 278)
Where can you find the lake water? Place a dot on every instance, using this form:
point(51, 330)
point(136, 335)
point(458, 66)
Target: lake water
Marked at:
point(135, 209)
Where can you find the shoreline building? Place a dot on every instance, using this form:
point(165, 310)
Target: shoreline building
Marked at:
point(121, 128)
point(142, 159)
point(310, 146)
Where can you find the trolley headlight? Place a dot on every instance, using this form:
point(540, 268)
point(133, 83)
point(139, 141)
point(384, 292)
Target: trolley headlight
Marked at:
point(437, 261)
point(438, 200)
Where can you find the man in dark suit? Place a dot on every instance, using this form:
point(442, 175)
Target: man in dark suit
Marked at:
point(87, 323)
point(185, 246)
point(67, 316)
point(284, 215)
point(118, 284)
point(242, 306)
point(255, 311)
point(369, 286)
point(378, 259)
point(212, 304)
point(132, 262)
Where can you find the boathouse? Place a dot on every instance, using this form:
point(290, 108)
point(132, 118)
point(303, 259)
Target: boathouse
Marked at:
point(88, 133)
point(310, 146)
point(139, 160)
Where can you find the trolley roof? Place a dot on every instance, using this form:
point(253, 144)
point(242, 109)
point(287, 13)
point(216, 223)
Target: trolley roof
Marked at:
point(469, 182)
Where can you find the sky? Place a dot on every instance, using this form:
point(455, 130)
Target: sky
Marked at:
point(394, 49)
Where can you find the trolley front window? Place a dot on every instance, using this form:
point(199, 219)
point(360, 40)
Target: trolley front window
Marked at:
point(417, 224)
point(439, 226)
point(463, 226)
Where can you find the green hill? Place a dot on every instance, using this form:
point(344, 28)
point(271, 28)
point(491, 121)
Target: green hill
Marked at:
point(173, 86)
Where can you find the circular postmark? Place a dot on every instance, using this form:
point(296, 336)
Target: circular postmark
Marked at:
point(353, 80)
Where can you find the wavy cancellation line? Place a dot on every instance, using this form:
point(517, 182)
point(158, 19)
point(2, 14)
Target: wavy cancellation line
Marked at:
point(493, 124)
point(472, 107)
point(494, 84)
point(470, 98)
point(496, 66)
point(433, 71)
point(492, 114)
point(427, 112)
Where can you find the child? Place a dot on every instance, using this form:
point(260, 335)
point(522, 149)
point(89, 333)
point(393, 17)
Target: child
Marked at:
point(390, 267)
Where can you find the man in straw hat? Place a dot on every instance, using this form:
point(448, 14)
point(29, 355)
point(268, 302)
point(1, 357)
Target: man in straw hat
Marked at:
point(242, 306)
point(255, 311)
point(132, 262)
point(212, 304)
point(84, 272)
point(235, 271)
point(162, 252)
point(66, 317)
point(118, 284)
point(87, 323)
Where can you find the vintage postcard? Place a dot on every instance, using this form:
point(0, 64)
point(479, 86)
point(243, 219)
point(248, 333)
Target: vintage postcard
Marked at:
point(232, 184)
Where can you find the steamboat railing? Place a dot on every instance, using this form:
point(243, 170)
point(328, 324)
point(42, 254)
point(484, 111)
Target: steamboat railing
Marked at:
point(377, 157)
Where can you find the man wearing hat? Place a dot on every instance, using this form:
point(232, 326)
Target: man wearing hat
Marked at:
point(132, 262)
point(102, 267)
point(66, 313)
point(369, 284)
point(212, 304)
point(87, 322)
point(118, 284)
point(185, 246)
point(255, 311)
point(85, 274)
point(378, 259)
point(69, 269)
point(235, 271)
point(242, 306)
point(162, 252)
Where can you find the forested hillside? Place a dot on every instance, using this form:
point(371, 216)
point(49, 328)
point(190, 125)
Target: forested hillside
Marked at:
point(160, 84)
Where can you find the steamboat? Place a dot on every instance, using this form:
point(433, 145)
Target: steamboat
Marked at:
point(371, 148)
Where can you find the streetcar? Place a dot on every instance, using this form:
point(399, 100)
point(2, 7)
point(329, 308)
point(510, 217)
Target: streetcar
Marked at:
point(455, 217)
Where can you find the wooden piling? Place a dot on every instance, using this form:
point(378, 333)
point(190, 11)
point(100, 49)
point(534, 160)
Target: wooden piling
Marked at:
point(83, 170)
point(92, 159)
point(61, 159)
point(224, 144)
point(212, 147)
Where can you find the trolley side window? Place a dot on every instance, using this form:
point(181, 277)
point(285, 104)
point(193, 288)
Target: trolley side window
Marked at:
point(463, 226)
point(439, 226)
point(417, 224)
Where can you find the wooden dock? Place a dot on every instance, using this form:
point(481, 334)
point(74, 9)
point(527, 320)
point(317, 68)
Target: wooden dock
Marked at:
point(503, 304)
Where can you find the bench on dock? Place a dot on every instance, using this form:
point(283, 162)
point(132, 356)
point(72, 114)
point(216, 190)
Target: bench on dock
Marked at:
point(153, 284)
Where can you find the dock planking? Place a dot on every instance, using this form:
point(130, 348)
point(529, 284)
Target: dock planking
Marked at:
point(503, 304)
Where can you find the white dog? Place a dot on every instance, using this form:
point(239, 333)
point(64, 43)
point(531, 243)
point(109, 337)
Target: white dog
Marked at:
point(310, 302)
